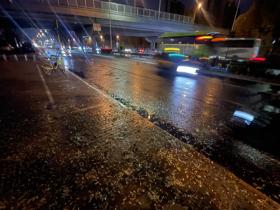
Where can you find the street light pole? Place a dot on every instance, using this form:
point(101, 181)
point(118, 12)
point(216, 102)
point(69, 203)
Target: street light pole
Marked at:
point(195, 11)
point(111, 38)
point(159, 9)
point(236, 13)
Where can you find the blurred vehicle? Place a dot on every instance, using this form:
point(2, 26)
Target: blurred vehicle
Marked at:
point(87, 49)
point(141, 50)
point(181, 64)
point(106, 50)
point(189, 67)
point(97, 50)
point(169, 60)
point(210, 44)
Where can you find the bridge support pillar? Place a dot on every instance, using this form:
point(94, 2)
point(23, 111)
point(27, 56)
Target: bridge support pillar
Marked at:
point(152, 41)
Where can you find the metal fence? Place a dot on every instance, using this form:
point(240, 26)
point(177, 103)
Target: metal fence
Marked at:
point(114, 8)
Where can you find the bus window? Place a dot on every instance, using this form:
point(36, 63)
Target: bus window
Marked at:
point(235, 43)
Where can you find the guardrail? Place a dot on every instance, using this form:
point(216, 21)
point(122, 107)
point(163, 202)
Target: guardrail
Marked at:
point(114, 8)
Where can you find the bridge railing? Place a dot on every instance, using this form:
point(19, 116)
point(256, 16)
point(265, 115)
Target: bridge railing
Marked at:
point(114, 8)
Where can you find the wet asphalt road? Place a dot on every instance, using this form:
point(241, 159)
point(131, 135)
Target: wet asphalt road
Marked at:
point(82, 150)
point(200, 106)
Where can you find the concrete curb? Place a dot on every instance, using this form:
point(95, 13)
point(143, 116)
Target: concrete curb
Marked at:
point(238, 77)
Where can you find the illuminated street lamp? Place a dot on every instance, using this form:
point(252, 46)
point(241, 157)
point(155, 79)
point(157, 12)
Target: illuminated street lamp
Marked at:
point(199, 6)
point(118, 42)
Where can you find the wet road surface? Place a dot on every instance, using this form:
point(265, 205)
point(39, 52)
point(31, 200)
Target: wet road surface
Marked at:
point(88, 152)
point(200, 107)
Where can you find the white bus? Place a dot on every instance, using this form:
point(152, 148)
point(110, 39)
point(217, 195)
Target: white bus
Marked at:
point(209, 45)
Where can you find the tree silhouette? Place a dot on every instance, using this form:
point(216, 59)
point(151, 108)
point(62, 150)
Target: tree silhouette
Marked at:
point(261, 20)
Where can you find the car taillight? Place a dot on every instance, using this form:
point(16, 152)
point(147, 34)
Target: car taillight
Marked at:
point(258, 59)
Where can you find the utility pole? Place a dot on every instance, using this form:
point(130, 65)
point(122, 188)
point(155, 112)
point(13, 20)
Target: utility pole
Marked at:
point(111, 38)
point(159, 9)
point(236, 13)
point(57, 32)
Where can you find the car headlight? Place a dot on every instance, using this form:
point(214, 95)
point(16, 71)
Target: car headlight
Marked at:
point(187, 69)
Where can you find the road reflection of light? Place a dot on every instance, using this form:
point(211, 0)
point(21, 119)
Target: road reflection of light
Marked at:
point(246, 117)
point(184, 90)
point(68, 63)
point(259, 159)
point(139, 84)
point(194, 104)
point(187, 84)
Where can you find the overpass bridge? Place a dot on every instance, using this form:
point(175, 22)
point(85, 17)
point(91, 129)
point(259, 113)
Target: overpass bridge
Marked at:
point(96, 11)
point(125, 20)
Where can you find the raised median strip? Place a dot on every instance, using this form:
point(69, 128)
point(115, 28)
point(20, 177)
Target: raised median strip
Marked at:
point(239, 77)
point(91, 153)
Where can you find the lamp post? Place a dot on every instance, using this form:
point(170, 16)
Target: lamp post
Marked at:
point(159, 9)
point(111, 38)
point(236, 13)
point(195, 11)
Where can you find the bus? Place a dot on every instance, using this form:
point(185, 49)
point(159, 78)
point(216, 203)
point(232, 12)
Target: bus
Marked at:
point(209, 45)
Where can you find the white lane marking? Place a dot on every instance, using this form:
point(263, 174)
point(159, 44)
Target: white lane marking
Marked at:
point(47, 90)
point(95, 88)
